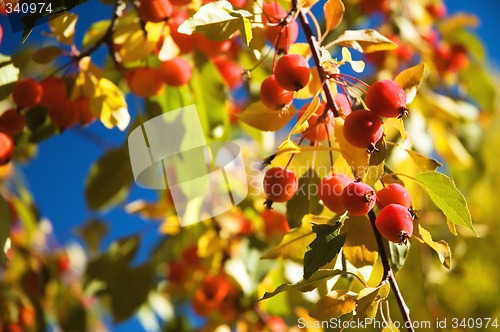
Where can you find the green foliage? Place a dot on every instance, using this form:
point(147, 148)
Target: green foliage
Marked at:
point(306, 201)
point(5, 222)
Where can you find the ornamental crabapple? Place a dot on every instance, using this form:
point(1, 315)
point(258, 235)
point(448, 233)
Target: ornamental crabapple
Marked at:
point(387, 99)
point(358, 198)
point(330, 191)
point(155, 11)
point(292, 72)
point(12, 122)
point(176, 72)
point(363, 129)
point(318, 131)
point(6, 148)
point(395, 223)
point(280, 184)
point(145, 81)
point(274, 96)
point(393, 194)
point(27, 93)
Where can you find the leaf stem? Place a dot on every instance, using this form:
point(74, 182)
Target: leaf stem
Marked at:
point(389, 275)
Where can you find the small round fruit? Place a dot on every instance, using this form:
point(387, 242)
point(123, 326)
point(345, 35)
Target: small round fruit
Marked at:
point(176, 72)
point(280, 184)
point(274, 96)
point(54, 89)
point(63, 114)
point(363, 129)
point(27, 93)
point(12, 122)
point(155, 10)
point(386, 98)
point(6, 148)
point(395, 223)
point(393, 194)
point(180, 3)
point(186, 43)
point(144, 81)
point(230, 71)
point(358, 198)
point(275, 223)
point(211, 48)
point(272, 12)
point(292, 72)
point(280, 36)
point(318, 131)
point(330, 191)
point(343, 102)
point(82, 107)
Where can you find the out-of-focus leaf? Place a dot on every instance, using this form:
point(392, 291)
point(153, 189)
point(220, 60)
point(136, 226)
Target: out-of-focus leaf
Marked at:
point(301, 49)
point(334, 12)
point(109, 180)
point(293, 245)
point(390, 328)
point(95, 32)
point(360, 247)
point(9, 74)
point(424, 163)
point(458, 22)
point(368, 299)
point(324, 248)
point(92, 232)
point(480, 86)
point(334, 305)
point(447, 197)
point(409, 79)
point(261, 117)
point(39, 124)
point(47, 54)
point(357, 65)
point(440, 247)
point(365, 40)
point(136, 44)
point(70, 313)
point(305, 201)
point(306, 284)
point(5, 222)
point(63, 27)
point(219, 21)
point(398, 254)
point(471, 42)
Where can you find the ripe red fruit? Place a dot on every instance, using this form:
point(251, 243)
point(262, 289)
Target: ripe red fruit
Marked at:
point(372, 6)
point(180, 2)
point(330, 191)
point(186, 43)
point(155, 10)
point(318, 131)
point(342, 101)
point(275, 223)
point(280, 185)
point(230, 71)
point(211, 48)
point(12, 122)
point(27, 93)
point(393, 194)
point(144, 81)
point(6, 148)
point(238, 3)
point(358, 198)
point(54, 89)
point(386, 98)
point(395, 223)
point(82, 107)
point(176, 72)
point(280, 36)
point(63, 263)
point(363, 129)
point(292, 72)
point(274, 96)
point(437, 10)
point(214, 292)
point(272, 12)
point(63, 114)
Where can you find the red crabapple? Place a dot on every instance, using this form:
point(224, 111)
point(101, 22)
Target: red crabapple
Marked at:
point(6, 148)
point(274, 96)
point(155, 10)
point(176, 72)
point(386, 98)
point(280, 184)
point(145, 81)
point(318, 131)
point(230, 71)
point(292, 72)
point(27, 93)
point(12, 122)
point(343, 101)
point(393, 194)
point(358, 198)
point(395, 223)
point(330, 191)
point(54, 89)
point(281, 36)
point(363, 129)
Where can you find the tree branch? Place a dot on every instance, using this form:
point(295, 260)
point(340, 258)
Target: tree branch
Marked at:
point(389, 275)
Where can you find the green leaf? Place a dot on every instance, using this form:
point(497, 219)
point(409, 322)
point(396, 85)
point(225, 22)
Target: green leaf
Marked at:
point(9, 75)
point(109, 180)
point(293, 245)
point(305, 284)
point(365, 40)
point(40, 125)
point(92, 233)
point(324, 248)
point(219, 21)
point(70, 313)
point(368, 299)
point(45, 55)
point(424, 163)
point(447, 197)
point(398, 254)
point(480, 86)
point(306, 200)
point(5, 222)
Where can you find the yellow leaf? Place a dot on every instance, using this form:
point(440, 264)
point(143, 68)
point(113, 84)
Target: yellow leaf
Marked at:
point(312, 88)
point(171, 225)
point(366, 41)
point(440, 247)
point(422, 162)
point(358, 66)
point(148, 210)
point(311, 109)
point(261, 117)
point(449, 146)
point(63, 27)
point(136, 46)
point(110, 104)
point(315, 326)
point(409, 79)
point(334, 305)
point(368, 299)
point(390, 327)
point(399, 125)
point(169, 49)
point(288, 147)
point(47, 54)
point(458, 21)
point(360, 247)
point(300, 48)
point(356, 158)
point(334, 12)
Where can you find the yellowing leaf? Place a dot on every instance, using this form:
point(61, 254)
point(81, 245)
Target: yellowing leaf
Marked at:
point(95, 32)
point(312, 88)
point(287, 147)
point(390, 327)
point(334, 305)
point(334, 12)
point(300, 48)
point(440, 247)
point(409, 79)
point(137, 46)
point(171, 225)
point(300, 126)
point(422, 162)
point(360, 247)
point(458, 21)
point(110, 104)
point(399, 125)
point(449, 146)
point(358, 66)
point(63, 27)
point(261, 117)
point(368, 299)
point(355, 157)
point(148, 210)
point(169, 49)
point(366, 41)
point(47, 54)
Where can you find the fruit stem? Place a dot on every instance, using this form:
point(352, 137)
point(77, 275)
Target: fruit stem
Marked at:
point(315, 51)
point(389, 275)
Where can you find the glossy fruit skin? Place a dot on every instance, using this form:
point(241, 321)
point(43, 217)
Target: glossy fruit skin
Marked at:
point(280, 36)
point(144, 81)
point(280, 185)
point(12, 122)
point(395, 223)
point(186, 43)
point(363, 129)
point(27, 93)
point(238, 3)
point(54, 89)
point(6, 148)
point(386, 98)
point(292, 72)
point(176, 72)
point(230, 71)
point(275, 223)
point(342, 101)
point(330, 191)
point(318, 131)
point(393, 194)
point(274, 96)
point(272, 12)
point(63, 114)
point(211, 48)
point(155, 10)
point(358, 198)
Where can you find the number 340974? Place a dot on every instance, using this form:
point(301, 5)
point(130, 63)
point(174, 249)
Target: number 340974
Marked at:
point(27, 8)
